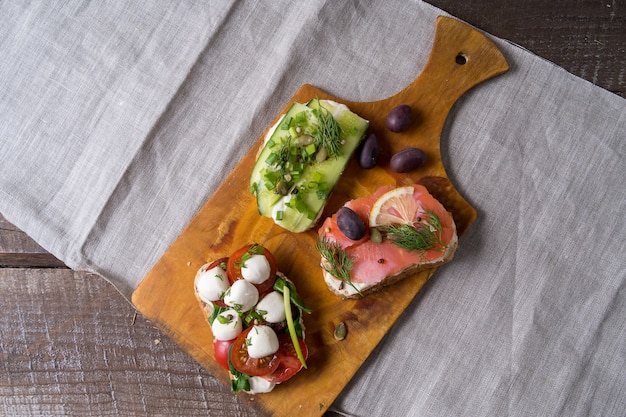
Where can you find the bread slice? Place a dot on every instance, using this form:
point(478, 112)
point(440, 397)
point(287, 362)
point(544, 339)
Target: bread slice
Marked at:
point(258, 385)
point(376, 265)
point(346, 291)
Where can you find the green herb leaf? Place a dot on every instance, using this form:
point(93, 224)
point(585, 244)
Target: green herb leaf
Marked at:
point(328, 135)
point(224, 319)
point(337, 261)
point(281, 283)
point(240, 381)
point(254, 315)
point(217, 310)
point(422, 236)
point(256, 249)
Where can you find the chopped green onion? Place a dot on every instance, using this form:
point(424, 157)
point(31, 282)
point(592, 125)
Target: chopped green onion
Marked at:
point(291, 326)
point(301, 117)
point(279, 215)
point(301, 206)
point(270, 175)
point(310, 149)
point(286, 123)
point(272, 158)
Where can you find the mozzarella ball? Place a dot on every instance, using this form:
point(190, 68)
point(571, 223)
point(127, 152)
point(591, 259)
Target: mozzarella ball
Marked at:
point(227, 325)
point(242, 296)
point(272, 307)
point(260, 385)
point(256, 269)
point(211, 284)
point(262, 341)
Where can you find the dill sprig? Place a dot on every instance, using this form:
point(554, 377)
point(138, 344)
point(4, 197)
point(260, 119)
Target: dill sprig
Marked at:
point(328, 134)
point(338, 262)
point(421, 236)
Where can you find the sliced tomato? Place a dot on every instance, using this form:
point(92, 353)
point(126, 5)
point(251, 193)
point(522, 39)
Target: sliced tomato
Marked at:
point(222, 262)
point(220, 351)
point(238, 258)
point(242, 361)
point(289, 362)
point(220, 303)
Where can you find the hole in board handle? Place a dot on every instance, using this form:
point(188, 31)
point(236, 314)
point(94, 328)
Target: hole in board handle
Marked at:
point(461, 58)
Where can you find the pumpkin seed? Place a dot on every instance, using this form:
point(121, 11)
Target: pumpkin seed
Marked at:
point(340, 331)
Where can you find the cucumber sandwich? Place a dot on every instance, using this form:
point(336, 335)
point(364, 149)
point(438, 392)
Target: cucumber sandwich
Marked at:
point(302, 158)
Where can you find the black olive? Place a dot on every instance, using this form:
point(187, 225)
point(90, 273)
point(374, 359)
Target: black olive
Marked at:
point(350, 223)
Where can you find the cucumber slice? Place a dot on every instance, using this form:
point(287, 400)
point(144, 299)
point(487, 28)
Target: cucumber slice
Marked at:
point(292, 178)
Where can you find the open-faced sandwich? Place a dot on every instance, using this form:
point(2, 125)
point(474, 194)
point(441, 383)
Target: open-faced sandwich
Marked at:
point(301, 160)
point(256, 318)
point(375, 241)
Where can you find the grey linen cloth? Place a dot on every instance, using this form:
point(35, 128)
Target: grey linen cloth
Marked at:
point(119, 119)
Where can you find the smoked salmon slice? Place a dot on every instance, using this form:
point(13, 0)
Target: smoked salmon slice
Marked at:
point(377, 259)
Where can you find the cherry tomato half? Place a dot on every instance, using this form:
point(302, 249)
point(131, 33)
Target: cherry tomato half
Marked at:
point(220, 350)
point(235, 262)
point(222, 263)
point(289, 362)
point(242, 361)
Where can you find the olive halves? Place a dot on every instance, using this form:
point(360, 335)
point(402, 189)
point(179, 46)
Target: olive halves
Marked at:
point(407, 160)
point(399, 118)
point(350, 223)
point(370, 149)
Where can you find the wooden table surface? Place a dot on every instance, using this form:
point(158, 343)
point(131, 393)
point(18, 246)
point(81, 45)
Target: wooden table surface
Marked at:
point(70, 344)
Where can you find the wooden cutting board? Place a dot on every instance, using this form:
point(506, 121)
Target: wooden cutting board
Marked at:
point(461, 58)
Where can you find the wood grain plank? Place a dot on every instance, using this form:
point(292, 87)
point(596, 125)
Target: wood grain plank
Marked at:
point(71, 345)
point(587, 38)
point(17, 249)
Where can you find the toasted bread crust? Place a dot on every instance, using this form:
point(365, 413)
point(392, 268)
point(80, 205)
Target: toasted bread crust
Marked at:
point(207, 309)
point(346, 291)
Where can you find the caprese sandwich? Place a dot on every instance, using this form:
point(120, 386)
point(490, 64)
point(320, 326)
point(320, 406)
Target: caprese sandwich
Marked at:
point(256, 317)
point(375, 241)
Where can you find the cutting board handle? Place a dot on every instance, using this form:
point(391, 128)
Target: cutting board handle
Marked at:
point(461, 57)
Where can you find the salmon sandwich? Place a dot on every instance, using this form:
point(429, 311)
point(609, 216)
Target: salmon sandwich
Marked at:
point(375, 241)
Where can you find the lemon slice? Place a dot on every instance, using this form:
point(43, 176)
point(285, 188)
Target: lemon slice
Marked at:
point(396, 206)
